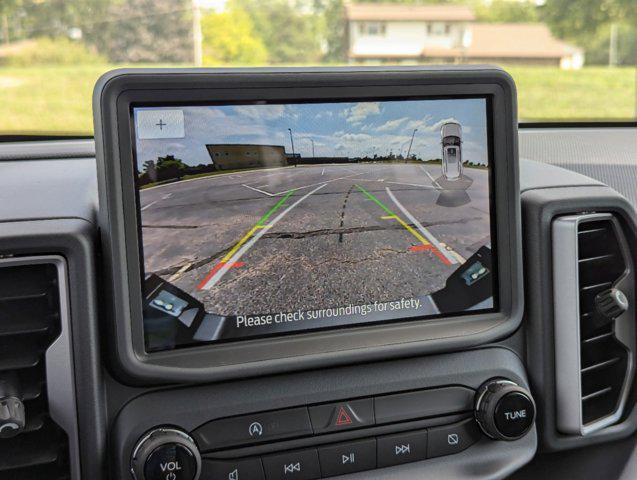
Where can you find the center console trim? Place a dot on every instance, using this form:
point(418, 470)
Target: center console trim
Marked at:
point(188, 407)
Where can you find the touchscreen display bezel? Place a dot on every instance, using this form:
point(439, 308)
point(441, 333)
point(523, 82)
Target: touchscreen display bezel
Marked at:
point(491, 193)
point(118, 92)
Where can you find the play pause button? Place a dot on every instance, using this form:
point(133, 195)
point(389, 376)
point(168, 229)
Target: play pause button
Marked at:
point(402, 448)
point(348, 457)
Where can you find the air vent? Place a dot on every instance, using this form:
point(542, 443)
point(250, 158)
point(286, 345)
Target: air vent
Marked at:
point(29, 324)
point(593, 347)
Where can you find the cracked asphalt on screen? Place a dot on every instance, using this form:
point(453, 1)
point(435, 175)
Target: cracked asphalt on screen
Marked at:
point(313, 236)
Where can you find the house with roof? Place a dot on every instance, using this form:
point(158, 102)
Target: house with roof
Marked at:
point(395, 33)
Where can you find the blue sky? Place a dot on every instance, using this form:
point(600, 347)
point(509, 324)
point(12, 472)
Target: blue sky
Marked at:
point(338, 129)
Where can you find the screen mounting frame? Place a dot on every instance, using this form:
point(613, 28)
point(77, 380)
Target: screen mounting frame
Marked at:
point(118, 91)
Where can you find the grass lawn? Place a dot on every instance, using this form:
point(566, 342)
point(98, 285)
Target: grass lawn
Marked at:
point(58, 99)
point(590, 93)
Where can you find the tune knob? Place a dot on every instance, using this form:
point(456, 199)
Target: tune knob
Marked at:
point(504, 410)
point(166, 454)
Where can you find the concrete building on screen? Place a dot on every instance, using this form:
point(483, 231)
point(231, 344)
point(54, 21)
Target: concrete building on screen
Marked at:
point(235, 156)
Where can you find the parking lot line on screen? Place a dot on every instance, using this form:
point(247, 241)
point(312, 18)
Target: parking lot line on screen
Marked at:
point(414, 185)
point(433, 180)
point(259, 190)
point(449, 258)
point(426, 245)
point(256, 232)
point(392, 216)
point(301, 187)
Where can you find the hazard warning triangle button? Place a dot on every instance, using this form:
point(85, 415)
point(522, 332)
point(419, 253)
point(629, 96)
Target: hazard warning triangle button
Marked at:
point(342, 416)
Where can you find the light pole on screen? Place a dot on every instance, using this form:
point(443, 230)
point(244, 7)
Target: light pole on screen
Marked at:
point(411, 142)
point(402, 147)
point(292, 142)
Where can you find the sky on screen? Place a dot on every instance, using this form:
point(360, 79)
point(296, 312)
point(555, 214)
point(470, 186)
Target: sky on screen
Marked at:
point(337, 129)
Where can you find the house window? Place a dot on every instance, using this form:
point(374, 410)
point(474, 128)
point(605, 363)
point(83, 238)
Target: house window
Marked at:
point(438, 29)
point(371, 28)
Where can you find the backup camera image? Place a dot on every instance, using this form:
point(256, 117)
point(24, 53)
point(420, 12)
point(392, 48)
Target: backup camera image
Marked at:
point(264, 219)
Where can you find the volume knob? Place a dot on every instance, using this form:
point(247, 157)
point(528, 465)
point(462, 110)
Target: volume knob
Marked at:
point(166, 454)
point(504, 410)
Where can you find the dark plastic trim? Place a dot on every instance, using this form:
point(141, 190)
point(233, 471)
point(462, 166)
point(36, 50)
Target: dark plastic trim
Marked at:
point(540, 207)
point(72, 239)
point(579, 124)
point(41, 137)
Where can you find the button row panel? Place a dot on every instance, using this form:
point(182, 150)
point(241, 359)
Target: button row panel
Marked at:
point(299, 422)
point(348, 457)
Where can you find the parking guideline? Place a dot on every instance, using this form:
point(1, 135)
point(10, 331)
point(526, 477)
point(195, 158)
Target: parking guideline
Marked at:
point(392, 215)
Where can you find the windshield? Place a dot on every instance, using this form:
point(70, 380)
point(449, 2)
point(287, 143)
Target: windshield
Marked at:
point(572, 60)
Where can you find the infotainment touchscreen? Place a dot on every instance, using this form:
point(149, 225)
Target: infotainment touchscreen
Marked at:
point(268, 218)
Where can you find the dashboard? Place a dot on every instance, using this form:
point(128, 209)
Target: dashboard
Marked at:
point(294, 274)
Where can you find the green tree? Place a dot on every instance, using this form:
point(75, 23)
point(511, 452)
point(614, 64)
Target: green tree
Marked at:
point(229, 38)
point(290, 34)
point(169, 167)
point(169, 161)
point(422, 2)
point(122, 30)
point(505, 11)
point(587, 24)
point(151, 31)
point(22, 19)
point(8, 9)
point(335, 30)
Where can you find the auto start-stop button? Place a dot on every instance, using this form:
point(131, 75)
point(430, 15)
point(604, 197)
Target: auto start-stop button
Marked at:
point(514, 414)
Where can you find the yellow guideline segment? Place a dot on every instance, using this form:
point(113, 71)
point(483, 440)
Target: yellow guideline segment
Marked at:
point(259, 224)
point(393, 216)
point(245, 238)
point(413, 232)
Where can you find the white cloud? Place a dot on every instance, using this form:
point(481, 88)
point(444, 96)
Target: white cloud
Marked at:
point(325, 114)
point(391, 125)
point(214, 113)
point(361, 111)
point(260, 112)
point(355, 137)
